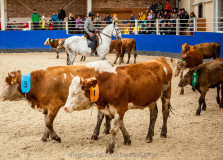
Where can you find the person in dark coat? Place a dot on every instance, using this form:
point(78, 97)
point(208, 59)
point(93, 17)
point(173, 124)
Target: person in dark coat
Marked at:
point(61, 16)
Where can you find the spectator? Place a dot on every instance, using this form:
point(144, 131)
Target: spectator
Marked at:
point(126, 30)
point(159, 15)
point(142, 16)
point(55, 20)
point(167, 7)
point(132, 20)
point(139, 16)
point(143, 28)
point(97, 21)
point(79, 25)
point(35, 17)
point(151, 29)
point(184, 19)
point(43, 23)
point(179, 14)
point(163, 29)
point(15, 26)
point(153, 7)
point(115, 19)
point(50, 25)
point(174, 16)
point(159, 7)
point(61, 16)
point(25, 26)
point(108, 19)
point(153, 16)
point(147, 12)
point(165, 17)
point(191, 21)
point(71, 24)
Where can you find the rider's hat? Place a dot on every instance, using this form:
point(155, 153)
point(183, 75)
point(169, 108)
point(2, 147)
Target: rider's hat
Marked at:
point(91, 13)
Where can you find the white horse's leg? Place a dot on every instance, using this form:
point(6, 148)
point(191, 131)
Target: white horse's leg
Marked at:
point(72, 58)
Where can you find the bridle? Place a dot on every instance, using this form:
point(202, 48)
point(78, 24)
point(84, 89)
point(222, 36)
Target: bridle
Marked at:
point(111, 34)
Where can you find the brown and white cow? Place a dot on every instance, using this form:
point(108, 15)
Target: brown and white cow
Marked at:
point(54, 43)
point(117, 47)
point(129, 45)
point(209, 75)
point(141, 84)
point(49, 91)
point(207, 50)
point(190, 59)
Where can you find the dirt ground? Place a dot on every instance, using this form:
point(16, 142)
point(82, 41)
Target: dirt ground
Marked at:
point(189, 136)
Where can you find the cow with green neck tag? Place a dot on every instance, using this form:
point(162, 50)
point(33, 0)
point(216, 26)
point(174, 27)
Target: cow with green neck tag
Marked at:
point(203, 77)
point(190, 59)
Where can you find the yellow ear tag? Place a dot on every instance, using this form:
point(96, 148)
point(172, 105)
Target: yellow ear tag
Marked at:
point(94, 93)
point(12, 82)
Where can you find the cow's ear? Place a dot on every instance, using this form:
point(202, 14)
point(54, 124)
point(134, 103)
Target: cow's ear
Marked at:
point(18, 72)
point(89, 84)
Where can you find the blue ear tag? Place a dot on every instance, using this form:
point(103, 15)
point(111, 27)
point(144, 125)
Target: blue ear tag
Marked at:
point(25, 83)
point(51, 40)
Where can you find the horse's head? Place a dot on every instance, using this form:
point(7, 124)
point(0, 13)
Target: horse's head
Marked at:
point(116, 32)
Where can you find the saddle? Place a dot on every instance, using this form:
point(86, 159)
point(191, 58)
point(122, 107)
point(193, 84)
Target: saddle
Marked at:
point(89, 41)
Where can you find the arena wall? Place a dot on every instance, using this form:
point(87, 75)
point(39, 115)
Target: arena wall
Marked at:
point(160, 43)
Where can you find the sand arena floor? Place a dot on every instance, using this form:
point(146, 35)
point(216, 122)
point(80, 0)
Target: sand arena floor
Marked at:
point(189, 136)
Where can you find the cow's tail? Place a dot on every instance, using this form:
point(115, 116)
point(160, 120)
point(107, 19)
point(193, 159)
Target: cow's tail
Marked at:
point(217, 50)
point(134, 50)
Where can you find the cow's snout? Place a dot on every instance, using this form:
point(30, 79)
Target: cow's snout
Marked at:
point(180, 85)
point(65, 109)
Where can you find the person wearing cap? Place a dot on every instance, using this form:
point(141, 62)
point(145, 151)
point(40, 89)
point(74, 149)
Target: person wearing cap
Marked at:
point(35, 17)
point(115, 18)
point(89, 31)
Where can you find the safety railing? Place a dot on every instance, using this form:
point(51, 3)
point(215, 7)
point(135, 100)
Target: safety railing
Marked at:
point(153, 26)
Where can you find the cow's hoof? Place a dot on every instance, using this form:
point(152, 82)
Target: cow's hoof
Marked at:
point(149, 140)
point(57, 57)
point(110, 148)
point(106, 131)
point(127, 142)
point(218, 100)
point(94, 137)
point(181, 92)
point(197, 114)
point(44, 139)
point(163, 135)
point(203, 108)
point(221, 106)
point(57, 138)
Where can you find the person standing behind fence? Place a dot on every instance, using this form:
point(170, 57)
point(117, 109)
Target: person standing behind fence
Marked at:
point(97, 20)
point(61, 16)
point(55, 20)
point(78, 25)
point(108, 19)
point(191, 21)
point(43, 23)
point(35, 17)
point(114, 19)
point(132, 20)
point(153, 7)
point(159, 7)
point(71, 24)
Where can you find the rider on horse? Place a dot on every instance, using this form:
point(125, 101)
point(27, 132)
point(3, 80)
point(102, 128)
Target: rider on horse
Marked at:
point(89, 30)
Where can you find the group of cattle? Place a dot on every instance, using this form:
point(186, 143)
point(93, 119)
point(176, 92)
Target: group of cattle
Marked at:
point(116, 88)
point(120, 47)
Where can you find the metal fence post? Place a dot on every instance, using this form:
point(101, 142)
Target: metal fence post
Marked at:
point(177, 27)
point(67, 27)
point(30, 26)
point(157, 26)
point(136, 26)
point(195, 27)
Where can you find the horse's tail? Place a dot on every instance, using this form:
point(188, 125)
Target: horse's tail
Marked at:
point(61, 43)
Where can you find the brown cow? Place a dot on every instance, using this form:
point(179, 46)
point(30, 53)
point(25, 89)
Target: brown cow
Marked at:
point(129, 45)
point(141, 84)
point(208, 50)
point(116, 46)
point(209, 75)
point(54, 43)
point(49, 91)
point(190, 59)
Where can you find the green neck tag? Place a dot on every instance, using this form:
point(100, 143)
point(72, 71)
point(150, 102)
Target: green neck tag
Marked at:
point(51, 40)
point(181, 60)
point(194, 78)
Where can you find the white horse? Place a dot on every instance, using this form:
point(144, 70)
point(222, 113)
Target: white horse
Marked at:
point(77, 45)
